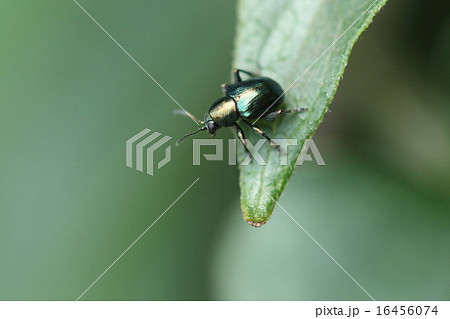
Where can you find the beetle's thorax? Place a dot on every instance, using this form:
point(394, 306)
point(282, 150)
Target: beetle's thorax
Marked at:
point(223, 111)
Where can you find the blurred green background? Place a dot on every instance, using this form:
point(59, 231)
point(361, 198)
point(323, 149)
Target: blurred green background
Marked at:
point(70, 98)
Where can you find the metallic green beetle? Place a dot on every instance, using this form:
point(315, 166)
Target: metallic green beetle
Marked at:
point(252, 99)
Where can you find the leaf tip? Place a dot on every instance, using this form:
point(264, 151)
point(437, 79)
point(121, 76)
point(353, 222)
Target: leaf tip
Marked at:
point(254, 217)
point(255, 224)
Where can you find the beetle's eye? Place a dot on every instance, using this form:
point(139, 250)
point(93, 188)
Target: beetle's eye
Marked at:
point(211, 127)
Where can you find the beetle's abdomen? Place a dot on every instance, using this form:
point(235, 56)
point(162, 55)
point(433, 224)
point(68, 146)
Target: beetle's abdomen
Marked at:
point(256, 96)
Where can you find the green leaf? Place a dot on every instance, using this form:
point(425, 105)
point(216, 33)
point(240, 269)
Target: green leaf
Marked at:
point(304, 45)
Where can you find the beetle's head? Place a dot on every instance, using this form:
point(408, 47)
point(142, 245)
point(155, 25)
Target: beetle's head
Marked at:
point(211, 125)
point(207, 124)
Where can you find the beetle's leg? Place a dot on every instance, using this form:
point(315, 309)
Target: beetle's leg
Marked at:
point(275, 114)
point(224, 88)
point(296, 110)
point(258, 131)
point(241, 136)
point(237, 77)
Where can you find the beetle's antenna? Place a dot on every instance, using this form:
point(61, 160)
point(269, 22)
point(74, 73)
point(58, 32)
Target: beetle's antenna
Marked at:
point(184, 112)
point(189, 134)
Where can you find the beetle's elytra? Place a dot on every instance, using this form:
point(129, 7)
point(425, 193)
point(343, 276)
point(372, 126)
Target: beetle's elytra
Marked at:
point(252, 99)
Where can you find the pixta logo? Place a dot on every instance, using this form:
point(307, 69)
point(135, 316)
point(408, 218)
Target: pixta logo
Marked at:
point(141, 142)
point(141, 151)
point(308, 147)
